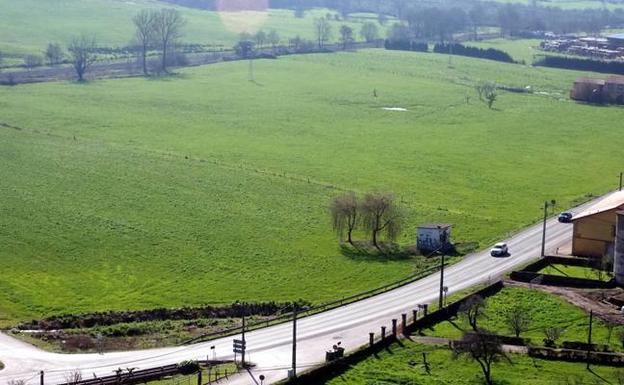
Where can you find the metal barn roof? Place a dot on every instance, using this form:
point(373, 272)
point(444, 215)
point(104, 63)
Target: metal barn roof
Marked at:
point(610, 202)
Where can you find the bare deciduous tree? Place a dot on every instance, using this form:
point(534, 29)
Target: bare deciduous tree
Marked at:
point(552, 335)
point(54, 54)
point(346, 36)
point(273, 38)
point(168, 25)
point(32, 61)
point(484, 348)
point(380, 214)
point(487, 93)
point(344, 212)
point(73, 378)
point(144, 34)
point(518, 320)
point(261, 39)
point(82, 51)
point(473, 309)
point(369, 31)
point(323, 31)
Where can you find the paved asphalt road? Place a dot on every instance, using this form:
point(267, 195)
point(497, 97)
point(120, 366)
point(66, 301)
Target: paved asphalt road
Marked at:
point(271, 348)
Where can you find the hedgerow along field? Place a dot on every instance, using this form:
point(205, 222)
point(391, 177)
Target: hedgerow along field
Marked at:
point(208, 188)
point(27, 26)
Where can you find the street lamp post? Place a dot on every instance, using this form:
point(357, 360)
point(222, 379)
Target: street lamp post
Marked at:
point(441, 300)
point(294, 343)
point(547, 204)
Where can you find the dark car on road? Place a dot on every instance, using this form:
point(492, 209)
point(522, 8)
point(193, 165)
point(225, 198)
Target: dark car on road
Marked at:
point(565, 217)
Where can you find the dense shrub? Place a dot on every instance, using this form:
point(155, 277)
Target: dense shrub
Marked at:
point(89, 320)
point(462, 50)
point(406, 45)
point(188, 367)
point(571, 63)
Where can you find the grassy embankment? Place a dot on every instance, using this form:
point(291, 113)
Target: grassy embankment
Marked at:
point(544, 310)
point(207, 188)
point(404, 365)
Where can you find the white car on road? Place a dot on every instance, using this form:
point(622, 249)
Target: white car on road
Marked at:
point(499, 250)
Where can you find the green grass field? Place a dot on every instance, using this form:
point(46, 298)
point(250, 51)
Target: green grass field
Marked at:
point(207, 188)
point(519, 49)
point(404, 365)
point(576, 272)
point(27, 26)
point(545, 310)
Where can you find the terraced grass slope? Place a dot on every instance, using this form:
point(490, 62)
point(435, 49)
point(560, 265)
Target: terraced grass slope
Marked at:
point(208, 188)
point(405, 365)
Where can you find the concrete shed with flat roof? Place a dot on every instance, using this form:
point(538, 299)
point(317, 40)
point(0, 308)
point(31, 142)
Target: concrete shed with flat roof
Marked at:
point(594, 228)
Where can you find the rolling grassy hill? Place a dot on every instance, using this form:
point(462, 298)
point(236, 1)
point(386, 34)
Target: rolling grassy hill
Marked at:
point(207, 188)
point(27, 26)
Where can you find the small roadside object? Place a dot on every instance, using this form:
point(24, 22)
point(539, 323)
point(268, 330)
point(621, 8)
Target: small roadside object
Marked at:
point(335, 354)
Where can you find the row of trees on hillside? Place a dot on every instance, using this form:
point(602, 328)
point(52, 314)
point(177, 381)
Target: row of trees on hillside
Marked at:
point(155, 30)
point(323, 32)
point(377, 214)
point(158, 29)
point(440, 20)
point(158, 32)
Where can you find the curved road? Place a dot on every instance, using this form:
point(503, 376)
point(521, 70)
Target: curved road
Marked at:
point(270, 349)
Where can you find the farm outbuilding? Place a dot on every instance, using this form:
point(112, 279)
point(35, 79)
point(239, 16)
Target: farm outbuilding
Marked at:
point(594, 229)
point(616, 40)
point(588, 90)
point(614, 89)
point(433, 237)
point(618, 261)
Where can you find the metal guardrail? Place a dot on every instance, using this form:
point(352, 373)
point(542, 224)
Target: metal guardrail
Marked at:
point(314, 310)
point(139, 376)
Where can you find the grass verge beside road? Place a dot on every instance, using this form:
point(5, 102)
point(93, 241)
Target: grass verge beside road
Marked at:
point(576, 272)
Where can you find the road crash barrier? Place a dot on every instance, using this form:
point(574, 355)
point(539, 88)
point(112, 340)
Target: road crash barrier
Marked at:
point(142, 376)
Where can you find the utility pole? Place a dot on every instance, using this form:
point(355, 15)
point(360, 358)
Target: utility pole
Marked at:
point(294, 345)
point(547, 204)
point(544, 229)
point(589, 336)
point(41, 378)
point(244, 343)
point(621, 174)
point(441, 303)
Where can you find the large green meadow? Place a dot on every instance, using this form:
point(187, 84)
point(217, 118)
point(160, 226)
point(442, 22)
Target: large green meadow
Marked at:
point(205, 187)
